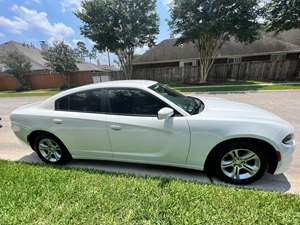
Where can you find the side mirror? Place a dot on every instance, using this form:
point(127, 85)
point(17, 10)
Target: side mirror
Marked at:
point(165, 113)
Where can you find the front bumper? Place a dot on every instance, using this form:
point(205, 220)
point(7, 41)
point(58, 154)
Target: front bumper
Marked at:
point(286, 152)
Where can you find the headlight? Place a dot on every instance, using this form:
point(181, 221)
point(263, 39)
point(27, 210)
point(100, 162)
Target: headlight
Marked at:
point(288, 139)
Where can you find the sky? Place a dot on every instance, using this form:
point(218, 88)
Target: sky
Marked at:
point(32, 21)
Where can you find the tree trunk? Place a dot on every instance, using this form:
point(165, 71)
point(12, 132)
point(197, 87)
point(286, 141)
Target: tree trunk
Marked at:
point(208, 48)
point(67, 82)
point(125, 58)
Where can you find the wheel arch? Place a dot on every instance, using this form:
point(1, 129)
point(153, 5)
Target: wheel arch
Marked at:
point(31, 137)
point(268, 148)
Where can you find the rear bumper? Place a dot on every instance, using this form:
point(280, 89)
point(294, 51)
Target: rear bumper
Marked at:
point(20, 131)
point(286, 152)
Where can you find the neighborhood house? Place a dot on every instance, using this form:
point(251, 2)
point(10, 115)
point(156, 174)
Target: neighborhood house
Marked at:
point(41, 76)
point(269, 58)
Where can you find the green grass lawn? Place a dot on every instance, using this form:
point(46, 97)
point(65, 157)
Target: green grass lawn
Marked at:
point(212, 88)
point(43, 92)
point(246, 82)
point(36, 194)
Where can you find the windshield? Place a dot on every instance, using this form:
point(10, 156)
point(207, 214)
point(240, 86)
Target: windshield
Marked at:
point(191, 105)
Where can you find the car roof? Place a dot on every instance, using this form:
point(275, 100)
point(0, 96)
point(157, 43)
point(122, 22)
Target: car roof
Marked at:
point(122, 83)
point(110, 84)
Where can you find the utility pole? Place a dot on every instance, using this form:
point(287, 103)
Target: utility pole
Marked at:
point(108, 57)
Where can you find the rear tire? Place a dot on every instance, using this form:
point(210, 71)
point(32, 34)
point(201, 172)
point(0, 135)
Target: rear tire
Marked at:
point(51, 150)
point(240, 163)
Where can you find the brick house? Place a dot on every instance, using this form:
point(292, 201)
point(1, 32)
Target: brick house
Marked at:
point(41, 76)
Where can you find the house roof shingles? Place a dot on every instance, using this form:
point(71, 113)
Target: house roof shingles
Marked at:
point(36, 58)
point(168, 51)
point(33, 54)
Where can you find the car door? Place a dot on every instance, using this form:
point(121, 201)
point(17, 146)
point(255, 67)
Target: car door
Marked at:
point(136, 134)
point(80, 122)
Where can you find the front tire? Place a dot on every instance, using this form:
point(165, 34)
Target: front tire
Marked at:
point(51, 150)
point(240, 163)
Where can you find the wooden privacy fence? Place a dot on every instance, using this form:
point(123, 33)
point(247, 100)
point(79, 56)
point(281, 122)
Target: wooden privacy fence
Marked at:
point(254, 70)
point(281, 70)
point(108, 76)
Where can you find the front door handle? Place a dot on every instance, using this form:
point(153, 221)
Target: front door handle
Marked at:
point(115, 127)
point(57, 121)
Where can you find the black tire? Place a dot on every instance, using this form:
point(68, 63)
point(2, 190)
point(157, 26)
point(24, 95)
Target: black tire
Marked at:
point(65, 156)
point(221, 163)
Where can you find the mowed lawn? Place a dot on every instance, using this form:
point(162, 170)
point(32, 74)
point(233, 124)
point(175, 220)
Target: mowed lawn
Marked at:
point(36, 194)
point(224, 88)
point(42, 92)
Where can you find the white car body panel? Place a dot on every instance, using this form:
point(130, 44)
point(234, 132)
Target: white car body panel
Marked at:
point(182, 141)
point(238, 120)
point(148, 139)
point(85, 135)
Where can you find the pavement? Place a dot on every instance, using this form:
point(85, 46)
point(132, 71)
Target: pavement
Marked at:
point(286, 104)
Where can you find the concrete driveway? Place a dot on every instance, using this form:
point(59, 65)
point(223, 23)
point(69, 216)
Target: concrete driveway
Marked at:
point(286, 104)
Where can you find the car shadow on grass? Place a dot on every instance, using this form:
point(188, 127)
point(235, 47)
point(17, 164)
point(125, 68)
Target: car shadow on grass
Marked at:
point(275, 183)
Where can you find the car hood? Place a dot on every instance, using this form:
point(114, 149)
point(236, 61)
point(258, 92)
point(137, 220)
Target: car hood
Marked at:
point(221, 108)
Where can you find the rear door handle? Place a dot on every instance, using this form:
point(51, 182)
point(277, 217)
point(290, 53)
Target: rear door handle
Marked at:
point(57, 121)
point(115, 127)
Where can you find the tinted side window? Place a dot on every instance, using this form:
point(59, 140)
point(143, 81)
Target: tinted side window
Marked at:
point(134, 102)
point(88, 101)
point(62, 104)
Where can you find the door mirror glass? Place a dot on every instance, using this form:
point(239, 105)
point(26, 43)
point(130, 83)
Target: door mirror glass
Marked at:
point(165, 113)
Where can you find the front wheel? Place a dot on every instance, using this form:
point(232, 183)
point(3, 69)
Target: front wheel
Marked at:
point(51, 150)
point(240, 163)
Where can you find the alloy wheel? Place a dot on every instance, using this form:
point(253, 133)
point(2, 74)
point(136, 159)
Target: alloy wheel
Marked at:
point(50, 150)
point(240, 164)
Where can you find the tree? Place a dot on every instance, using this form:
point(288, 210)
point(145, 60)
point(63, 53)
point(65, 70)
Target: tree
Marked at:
point(62, 59)
point(92, 54)
point(18, 65)
point(119, 27)
point(282, 15)
point(82, 51)
point(210, 23)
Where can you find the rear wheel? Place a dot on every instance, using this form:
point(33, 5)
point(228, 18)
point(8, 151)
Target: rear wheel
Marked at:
point(240, 163)
point(51, 150)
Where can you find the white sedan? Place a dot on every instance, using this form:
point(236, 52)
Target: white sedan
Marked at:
point(147, 122)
